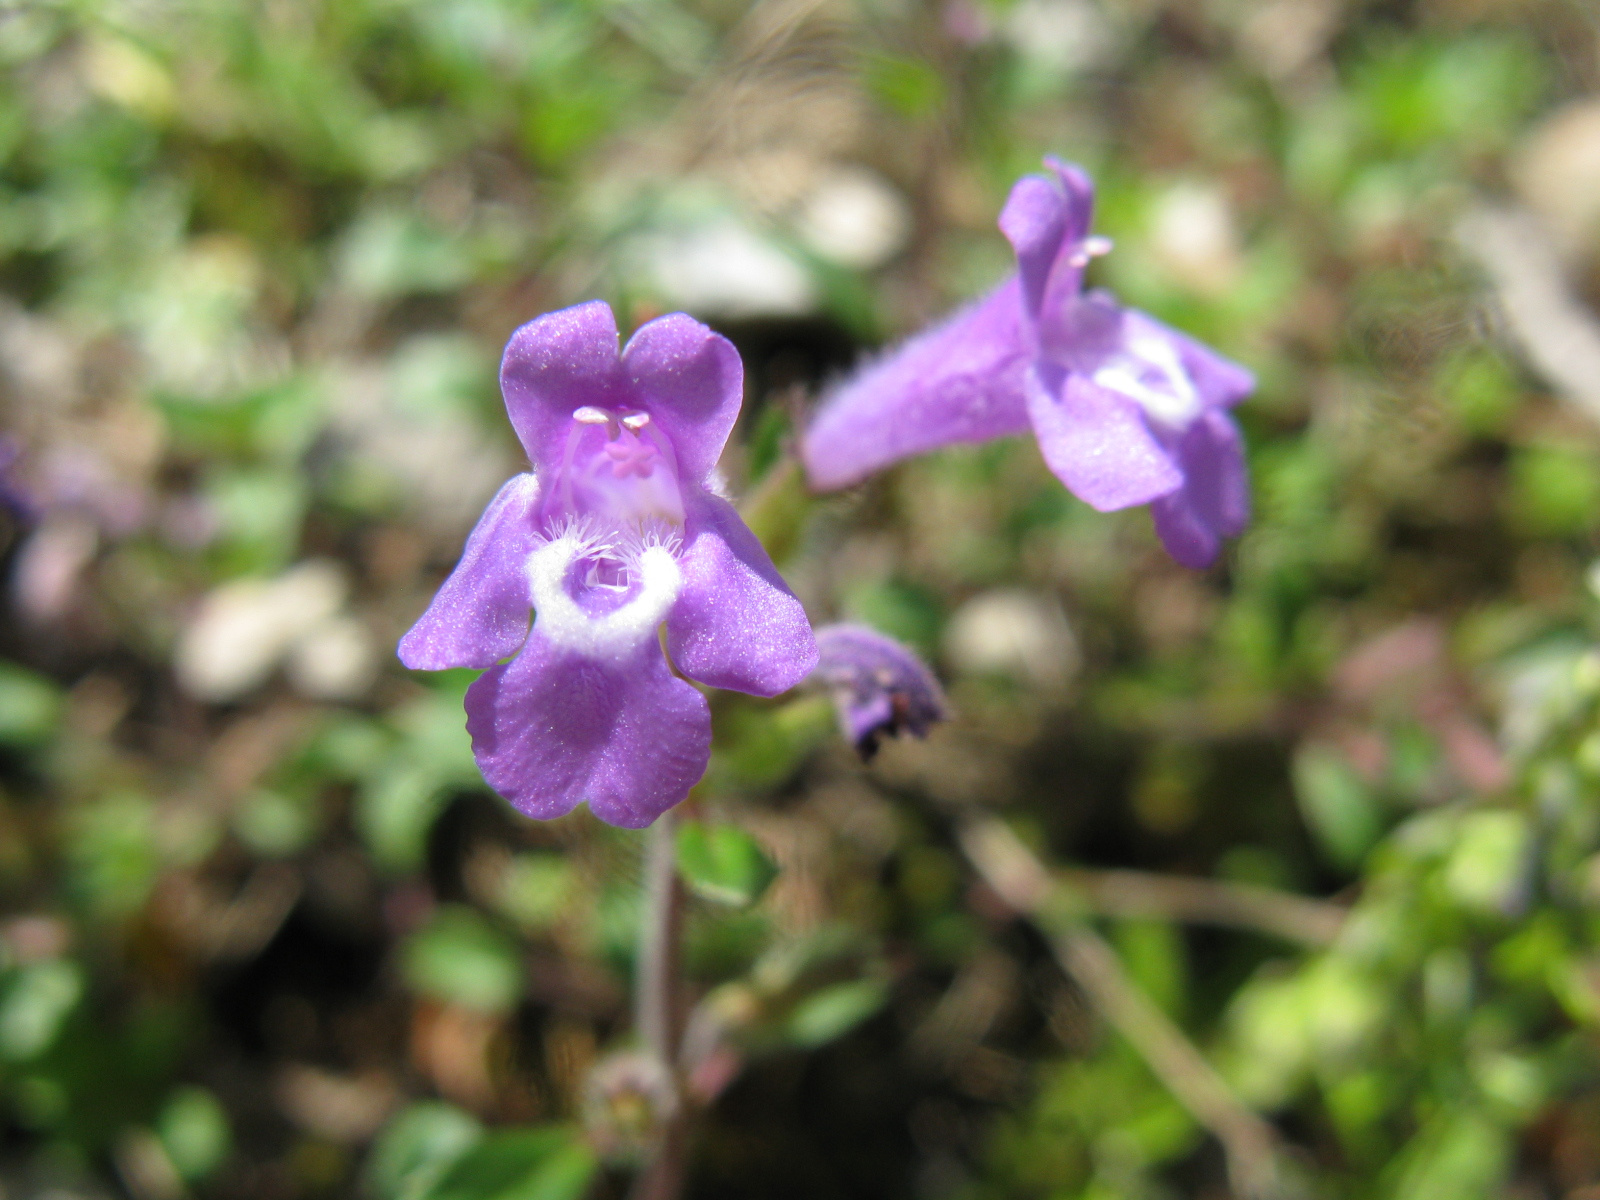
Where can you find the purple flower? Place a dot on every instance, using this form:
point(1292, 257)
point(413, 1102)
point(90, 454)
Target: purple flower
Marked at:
point(879, 687)
point(617, 531)
point(1126, 410)
point(15, 497)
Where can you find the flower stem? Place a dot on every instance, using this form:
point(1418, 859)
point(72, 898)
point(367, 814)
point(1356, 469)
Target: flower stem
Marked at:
point(658, 1017)
point(655, 1012)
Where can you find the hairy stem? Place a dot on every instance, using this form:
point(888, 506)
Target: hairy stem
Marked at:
point(657, 1012)
point(1020, 879)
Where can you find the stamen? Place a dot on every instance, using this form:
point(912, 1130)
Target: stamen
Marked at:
point(627, 473)
point(608, 573)
point(1090, 248)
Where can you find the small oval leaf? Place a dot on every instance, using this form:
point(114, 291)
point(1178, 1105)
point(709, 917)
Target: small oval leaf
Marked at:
point(723, 863)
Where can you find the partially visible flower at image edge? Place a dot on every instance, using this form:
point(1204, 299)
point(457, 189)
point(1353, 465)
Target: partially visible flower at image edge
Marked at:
point(880, 688)
point(616, 532)
point(15, 497)
point(1126, 410)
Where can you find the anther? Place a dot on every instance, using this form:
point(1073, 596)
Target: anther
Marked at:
point(1090, 248)
point(634, 422)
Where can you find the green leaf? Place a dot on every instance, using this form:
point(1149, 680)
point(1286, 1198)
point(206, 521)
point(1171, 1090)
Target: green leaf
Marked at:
point(776, 509)
point(1337, 804)
point(416, 1149)
point(29, 706)
point(35, 1005)
point(395, 809)
point(274, 824)
point(535, 888)
point(260, 512)
point(1555, 489)
point(907, 611)
point(835, 1011)
point(194, 1131)
point(761, 746)
point(549, 1163)
point(1457, 1155)
point(461, 958)
point(114, 852)
point(1490, 856)
point(723, 863)
point(909, 86)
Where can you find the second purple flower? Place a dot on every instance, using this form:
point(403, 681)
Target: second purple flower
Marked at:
point(617, 532)
point(1126, 410)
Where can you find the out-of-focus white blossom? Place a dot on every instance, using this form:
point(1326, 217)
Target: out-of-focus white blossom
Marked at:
point(243, 629)
point(854, 217)
point(1013, 632)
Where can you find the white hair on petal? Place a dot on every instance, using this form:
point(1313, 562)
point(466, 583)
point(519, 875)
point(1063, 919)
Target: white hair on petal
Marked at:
point(587, 535)
point(1173, 406)
point(651, 559)
point(648, 534)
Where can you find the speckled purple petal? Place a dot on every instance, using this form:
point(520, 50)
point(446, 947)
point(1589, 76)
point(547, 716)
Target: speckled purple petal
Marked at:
point(1214, 502)
point(480, 613)
point(554, 365)
point(880, 687)
point(692, 382)
point(961, 381)
point(551, 730)
point(1097, 442)
point(736, 624)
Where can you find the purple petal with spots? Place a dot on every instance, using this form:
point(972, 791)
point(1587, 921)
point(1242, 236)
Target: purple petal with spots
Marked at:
point(480, 613)
point(958, 382)
point(880, 687)
point(692, 382)
point(1214, 502)
point(552, 730)
point(736, 624)
point(1097, 442)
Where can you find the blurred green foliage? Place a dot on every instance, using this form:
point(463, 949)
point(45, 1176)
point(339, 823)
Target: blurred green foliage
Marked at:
point(265, 932)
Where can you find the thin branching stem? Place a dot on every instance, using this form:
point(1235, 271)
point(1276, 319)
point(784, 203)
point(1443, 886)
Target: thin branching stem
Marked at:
point(1015, 873)
point(1197, 901)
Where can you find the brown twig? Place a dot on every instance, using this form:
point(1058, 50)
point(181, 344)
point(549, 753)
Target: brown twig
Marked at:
point(1206, 902)
point(1020, 879)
